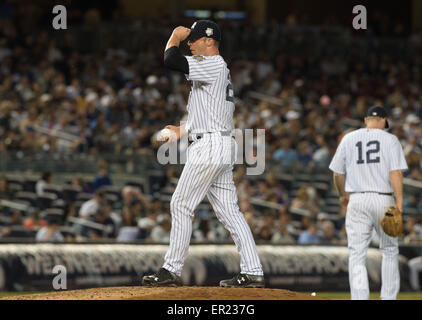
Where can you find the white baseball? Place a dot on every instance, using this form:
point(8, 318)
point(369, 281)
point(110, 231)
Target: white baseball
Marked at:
point(164, 134)
point(313, 294)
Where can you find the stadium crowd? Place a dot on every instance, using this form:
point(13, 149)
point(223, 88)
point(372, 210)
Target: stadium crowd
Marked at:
point(312, 84)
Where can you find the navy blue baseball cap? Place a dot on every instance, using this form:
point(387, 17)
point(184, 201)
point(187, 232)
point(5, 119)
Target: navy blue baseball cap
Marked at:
point(204, 28)
point(377, 111)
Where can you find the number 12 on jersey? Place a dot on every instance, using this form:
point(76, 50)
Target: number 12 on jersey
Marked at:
point(372, 149)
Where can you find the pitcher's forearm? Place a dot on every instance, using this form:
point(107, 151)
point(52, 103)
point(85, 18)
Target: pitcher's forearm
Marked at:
point(396, 179)
point(172, 42)
point(182, 129)
point(339, 183)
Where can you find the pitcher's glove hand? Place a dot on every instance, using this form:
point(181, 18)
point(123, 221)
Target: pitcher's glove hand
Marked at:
point(392, 222)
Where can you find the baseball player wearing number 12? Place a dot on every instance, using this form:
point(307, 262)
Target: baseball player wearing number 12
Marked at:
point(367, 170)
point(210, 157)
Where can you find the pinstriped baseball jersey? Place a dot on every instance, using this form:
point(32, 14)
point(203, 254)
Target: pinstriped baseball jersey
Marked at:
point(210, 105)
point(367, 156)
point(209, 166)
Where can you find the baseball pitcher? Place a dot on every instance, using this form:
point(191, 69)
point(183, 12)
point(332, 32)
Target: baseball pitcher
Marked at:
point(210, 157)
point(368, 176)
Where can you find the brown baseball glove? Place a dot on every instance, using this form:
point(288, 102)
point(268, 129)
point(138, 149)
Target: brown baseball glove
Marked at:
point(392, 222)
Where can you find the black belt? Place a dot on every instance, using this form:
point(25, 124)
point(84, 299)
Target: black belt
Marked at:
point(195, 136)
point(381, 193)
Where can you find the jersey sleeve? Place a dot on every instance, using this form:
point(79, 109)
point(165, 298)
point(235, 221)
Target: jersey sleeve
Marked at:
point(398, 161)
point(338, 163)
point(202, 68)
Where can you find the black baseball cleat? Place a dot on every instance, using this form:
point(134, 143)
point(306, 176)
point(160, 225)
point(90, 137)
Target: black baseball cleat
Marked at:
point(244, 281)
point(163, 278)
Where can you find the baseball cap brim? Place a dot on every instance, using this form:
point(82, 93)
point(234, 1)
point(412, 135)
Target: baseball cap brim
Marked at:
point(193, 36)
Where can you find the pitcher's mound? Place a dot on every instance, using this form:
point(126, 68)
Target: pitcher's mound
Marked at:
point(162, 293)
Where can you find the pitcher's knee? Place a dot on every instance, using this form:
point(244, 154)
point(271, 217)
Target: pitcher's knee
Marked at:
point(179, 206)
point(415, 263)
point(357, 253)
point(390, 251)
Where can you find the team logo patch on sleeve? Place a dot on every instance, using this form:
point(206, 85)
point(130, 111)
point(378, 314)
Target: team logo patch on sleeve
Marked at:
point(198, 58)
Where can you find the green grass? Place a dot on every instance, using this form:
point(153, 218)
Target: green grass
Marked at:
point(373, 295)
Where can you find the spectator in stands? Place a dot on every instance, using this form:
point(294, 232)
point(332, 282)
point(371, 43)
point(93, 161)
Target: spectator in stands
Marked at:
point(5, 192)
point(171, 175)
point(412, 229)
point(129, 230)
point(51, 232)
point(204, 233)
point(114, 215)
point(304, 154)
point(102, 216)
point(70, 211)
point(79, 182)
point(309, 236)
point(416, 173)
point(412, 202)
point(13, 227)
point(285, 153)
point(328, 235)
point(102, 179)
point(262, 189)
point(156, 206)
point(265, 233)
point(161, 232)
point(137, 208)
point(90, 207)
point(322, 156)
point(42, 183)
point(146, 224)
point(130, 194)
point(277, 188)
point(282, 234)
point(306, 200)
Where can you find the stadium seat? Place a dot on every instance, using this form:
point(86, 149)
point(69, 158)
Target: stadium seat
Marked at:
point(56, 189)
point(15, 187)
point(136, 185)
point(111, 198)
point(303, 177)
point(29, 184)
point(321, 188)
point(70, 192)
point(83, 196)
point(410, 211)
point(113, 190)
point(156, 182)
point(27, 196)
point(332, 209)
point(78, 205)
point(45, 200)
point(59, 204)
point(54, 214)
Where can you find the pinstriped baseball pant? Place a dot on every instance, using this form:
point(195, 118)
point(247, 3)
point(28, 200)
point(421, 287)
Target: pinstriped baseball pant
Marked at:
point(364, 212)
point(208, 171)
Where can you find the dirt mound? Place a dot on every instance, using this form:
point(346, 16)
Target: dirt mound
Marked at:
point(181, 293)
